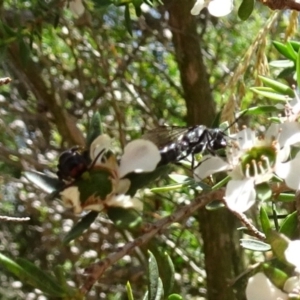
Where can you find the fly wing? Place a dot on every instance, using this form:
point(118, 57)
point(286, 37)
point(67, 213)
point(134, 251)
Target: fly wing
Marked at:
point(165, 135)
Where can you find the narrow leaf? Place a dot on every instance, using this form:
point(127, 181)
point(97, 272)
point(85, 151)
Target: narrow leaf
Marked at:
point(129, 291)
point(282, 49)
point(289, 226)
point(261, 110)
point(153, 277)
point(245, 9)
point(279, 243)
point(277, 86)
point(283, 63)
point(44, 182)
point(277, 276)
point(264, 220)
point(175, 297)
point(291, 50)
point(270, 95)
point(295, 45)
point(285, 197)
point(124, 218)
point(41, 280)
point(23, 272)
point(167, 273)
point(80, 226)
point(298, 69)
point(179, 178)
point(255, 245)
point(167, 188)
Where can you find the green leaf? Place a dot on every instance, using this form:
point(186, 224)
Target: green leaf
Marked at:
point(167, 188)
point(295, 45)
point(140, 180)
point(298, 69)
point(289, 226)
point(255, 245)
point(214, 205)
point(167, 272)
point(277, 86)
point(286, 73)
point(277, 276)
point(291, 51)
point(263, 192)
point(128, 22)
point(42, 280)
point(279, 243)
point(283, 63)
point(245, 9)
point(43, 181)
point(285, 197)
point(282, 49)
point(80, 226)
point(129, 291)
point(179, 178)
point(175, 297)
point(264, 220)
point(29, 273)
point(94, 129)
point(261, 110)
point(153, 278)
point(270, 95)
point(124, 218)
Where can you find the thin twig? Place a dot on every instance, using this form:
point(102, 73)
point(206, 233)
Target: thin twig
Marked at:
point(14, 219)
point(243, 218)
point(95, 271)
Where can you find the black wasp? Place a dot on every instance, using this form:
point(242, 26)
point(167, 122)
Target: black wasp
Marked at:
point(72, 163)
point(176, 143)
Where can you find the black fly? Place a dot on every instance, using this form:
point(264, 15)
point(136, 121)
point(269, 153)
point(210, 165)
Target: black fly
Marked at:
point(72, 163)
point(176, 143)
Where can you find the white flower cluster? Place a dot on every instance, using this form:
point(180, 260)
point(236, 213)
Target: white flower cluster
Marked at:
point(139, 156)
point(252, 160)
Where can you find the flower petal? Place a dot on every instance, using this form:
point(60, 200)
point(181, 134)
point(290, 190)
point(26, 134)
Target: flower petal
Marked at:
point(99, 146)
point(259, 287)
point(77, 7)
point(210, 165)
point(124, 201)
point(220, 8)
point(71, 198)
point(199, 5)
point(292, 254)
point(139, 156)
point(289, 171)
point(240, 194)
point(292, 284)
point(290, 134)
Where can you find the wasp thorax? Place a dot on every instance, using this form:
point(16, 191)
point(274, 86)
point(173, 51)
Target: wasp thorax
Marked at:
point(258, 161)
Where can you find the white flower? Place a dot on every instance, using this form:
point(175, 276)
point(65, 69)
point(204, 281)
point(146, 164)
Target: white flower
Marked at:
point(139, 156)
point(292, 254)
point(259, 287)
point(289, 171)
point(250, 161)
point(292, 109)
point(217, 8)
point(292, 286)
point(77, 7)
